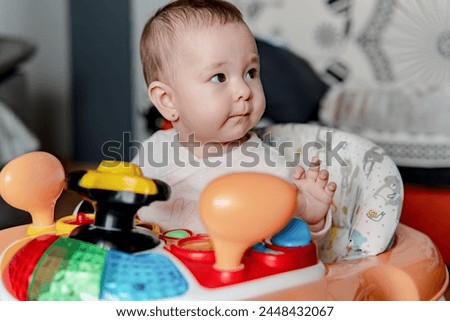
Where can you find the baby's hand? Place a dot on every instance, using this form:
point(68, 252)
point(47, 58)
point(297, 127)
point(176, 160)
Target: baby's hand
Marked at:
point(315, 194)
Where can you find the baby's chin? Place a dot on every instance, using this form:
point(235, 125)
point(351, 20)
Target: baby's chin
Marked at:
point(228, 135)
point(240, 138)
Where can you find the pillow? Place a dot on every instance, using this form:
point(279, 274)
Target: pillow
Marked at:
point(293, 90)
point(410, 122)
point(12, 53)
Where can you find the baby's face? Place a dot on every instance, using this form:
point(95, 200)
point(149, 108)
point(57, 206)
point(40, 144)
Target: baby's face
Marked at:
point(217, 88)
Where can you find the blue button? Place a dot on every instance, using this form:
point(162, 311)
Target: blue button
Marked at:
point(260, 247)
point(138, 277)
point(296, 233)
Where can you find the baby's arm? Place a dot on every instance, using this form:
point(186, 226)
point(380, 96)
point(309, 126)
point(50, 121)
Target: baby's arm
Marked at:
point(315, 196)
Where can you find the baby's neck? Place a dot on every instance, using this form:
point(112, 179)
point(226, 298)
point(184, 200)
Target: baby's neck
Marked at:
point(214, 149)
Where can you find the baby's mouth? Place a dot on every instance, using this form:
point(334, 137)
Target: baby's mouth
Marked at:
point(238, 116)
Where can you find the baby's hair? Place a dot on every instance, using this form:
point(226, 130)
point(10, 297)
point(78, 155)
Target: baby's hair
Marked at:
point(160, 32)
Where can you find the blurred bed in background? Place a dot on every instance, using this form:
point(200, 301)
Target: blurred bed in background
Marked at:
point(15, 136)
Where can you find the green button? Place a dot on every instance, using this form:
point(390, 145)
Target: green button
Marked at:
point(177, 234)
point(69, 270)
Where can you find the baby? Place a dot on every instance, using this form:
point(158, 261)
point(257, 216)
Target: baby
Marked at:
point(201, 66)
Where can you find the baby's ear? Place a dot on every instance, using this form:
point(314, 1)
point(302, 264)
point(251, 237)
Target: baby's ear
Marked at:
point(161, 96)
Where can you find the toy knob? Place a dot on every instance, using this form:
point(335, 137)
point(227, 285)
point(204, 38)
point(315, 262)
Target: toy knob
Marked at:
point(117, 190)
point(241, 209)
point(33, 182)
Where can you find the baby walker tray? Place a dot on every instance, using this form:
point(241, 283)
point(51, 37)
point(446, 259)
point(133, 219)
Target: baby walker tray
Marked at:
point(254, 249)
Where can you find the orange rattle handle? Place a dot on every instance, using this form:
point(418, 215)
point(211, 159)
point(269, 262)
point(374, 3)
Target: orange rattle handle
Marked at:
point(241, 209)
point(33, 182)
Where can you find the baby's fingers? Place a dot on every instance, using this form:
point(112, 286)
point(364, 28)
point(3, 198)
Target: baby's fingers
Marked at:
point(313, 170)
point(322, 180)
point(330, 189)
point(299, 172)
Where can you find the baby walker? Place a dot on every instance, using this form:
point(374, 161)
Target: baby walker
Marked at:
point(254, 249)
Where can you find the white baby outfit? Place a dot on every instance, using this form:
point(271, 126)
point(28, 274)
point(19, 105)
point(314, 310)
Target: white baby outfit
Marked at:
point(162, 157)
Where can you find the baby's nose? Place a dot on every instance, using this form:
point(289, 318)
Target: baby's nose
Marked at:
point(243, 91)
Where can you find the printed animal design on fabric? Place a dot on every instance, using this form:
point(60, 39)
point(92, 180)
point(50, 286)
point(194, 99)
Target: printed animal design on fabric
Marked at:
point(390, 191)
point(375, 216)
point(357, 239)
point(372, 156)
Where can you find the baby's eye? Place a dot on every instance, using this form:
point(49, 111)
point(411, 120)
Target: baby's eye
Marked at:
point(251, 74)
point(219, 78)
